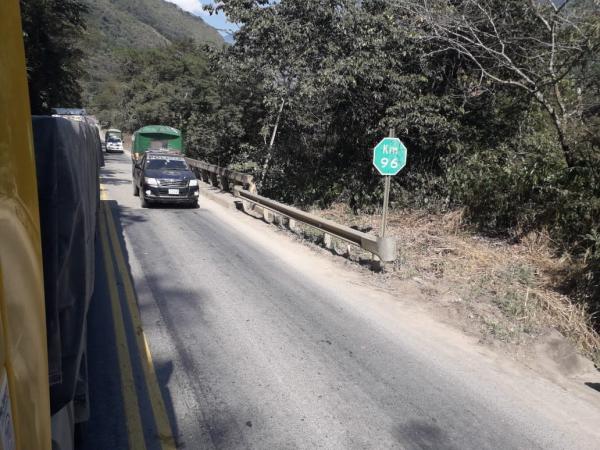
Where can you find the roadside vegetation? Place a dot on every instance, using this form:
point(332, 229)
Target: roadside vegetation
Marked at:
point(51, 33)
point(494, 289)
point(497, 102)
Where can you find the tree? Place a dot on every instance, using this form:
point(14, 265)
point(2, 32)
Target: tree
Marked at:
point(52, 31)
point(543, 48)
point(346, 72)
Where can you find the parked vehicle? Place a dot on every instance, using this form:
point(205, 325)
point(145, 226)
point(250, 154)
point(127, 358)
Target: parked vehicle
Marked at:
point(164, 177)
point(114, 144)
point(155, 137)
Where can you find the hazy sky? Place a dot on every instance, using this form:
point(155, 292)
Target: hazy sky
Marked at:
point(218, 21)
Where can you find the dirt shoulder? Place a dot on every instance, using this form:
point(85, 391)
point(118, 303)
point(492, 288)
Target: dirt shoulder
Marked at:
point(506, 294)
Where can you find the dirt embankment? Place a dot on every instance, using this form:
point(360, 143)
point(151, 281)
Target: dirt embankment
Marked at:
point(507, 294)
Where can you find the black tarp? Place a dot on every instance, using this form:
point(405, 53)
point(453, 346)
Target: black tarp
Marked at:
point(68, 155)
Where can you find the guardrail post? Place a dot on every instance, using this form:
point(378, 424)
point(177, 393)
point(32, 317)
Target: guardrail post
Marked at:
point(382, 247)
point(224, 183)
point(292, 225)
point(386, 249)
point(268, 215)
point(327, 241)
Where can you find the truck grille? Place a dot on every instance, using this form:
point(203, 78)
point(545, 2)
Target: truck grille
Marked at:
point(169, 182)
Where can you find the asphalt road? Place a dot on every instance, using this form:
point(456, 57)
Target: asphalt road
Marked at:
point(256, 344)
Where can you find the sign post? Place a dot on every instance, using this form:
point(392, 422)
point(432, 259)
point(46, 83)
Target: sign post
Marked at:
point(389, 158)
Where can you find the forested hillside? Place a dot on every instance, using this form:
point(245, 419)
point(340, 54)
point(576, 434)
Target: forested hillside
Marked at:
point(115, 27)
point(143, 24)
point(75, 48)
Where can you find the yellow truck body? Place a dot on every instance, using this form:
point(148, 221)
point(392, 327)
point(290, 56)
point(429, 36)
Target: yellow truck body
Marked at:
point(24, 390)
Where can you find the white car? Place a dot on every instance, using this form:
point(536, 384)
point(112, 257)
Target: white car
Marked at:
point(114, 145)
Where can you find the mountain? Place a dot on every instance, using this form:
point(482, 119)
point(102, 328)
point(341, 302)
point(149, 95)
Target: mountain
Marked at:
point(144, 23)
point(117, 25)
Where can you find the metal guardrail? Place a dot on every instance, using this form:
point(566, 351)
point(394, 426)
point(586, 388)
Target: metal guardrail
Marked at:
point(213, 174)
point(244, 187)
point(384, 248)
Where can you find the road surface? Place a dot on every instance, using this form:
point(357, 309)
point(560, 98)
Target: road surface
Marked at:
point(258, 342)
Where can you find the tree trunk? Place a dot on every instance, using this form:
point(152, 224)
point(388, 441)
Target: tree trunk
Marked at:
point(560, 123)
point(267, 164)
point(564, 143)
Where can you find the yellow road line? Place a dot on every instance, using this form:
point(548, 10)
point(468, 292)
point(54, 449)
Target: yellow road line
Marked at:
point(158, 407)
point(130, 401)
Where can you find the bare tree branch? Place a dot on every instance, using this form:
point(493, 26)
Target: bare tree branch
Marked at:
point(553, 43)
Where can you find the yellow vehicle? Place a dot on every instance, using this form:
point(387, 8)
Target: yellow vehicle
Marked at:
point(45, 288)
point(24, 387)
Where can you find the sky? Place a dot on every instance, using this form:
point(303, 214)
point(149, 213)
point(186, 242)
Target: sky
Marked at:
point(218, 21)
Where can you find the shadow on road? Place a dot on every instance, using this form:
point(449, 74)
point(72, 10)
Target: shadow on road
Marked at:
point(420, 434)
point(113, 177)
point(124, 217)
point(107, 427)
point(128, 217)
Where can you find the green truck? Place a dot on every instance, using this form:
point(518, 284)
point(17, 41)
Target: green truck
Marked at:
point(155, 137)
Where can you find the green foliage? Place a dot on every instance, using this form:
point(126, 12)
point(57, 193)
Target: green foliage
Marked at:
point(344, 84)
point(116, 26)
point(161, 20)
point(504, 185)
point(51, 32)
point(139, 24)
point(170, 85)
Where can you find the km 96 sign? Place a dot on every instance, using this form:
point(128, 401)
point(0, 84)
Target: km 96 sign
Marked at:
point(389, 156)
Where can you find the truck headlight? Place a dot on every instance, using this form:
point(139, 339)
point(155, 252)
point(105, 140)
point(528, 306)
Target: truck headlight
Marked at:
point(193, 182)
point(151, 181)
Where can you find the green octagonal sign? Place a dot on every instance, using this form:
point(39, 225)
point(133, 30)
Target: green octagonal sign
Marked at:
point(389, 156)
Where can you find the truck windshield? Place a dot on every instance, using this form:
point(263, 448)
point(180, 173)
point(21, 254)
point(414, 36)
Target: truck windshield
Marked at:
point(168, 164)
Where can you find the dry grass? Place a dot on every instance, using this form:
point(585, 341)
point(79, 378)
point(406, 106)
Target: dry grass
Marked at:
point(511, 290)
